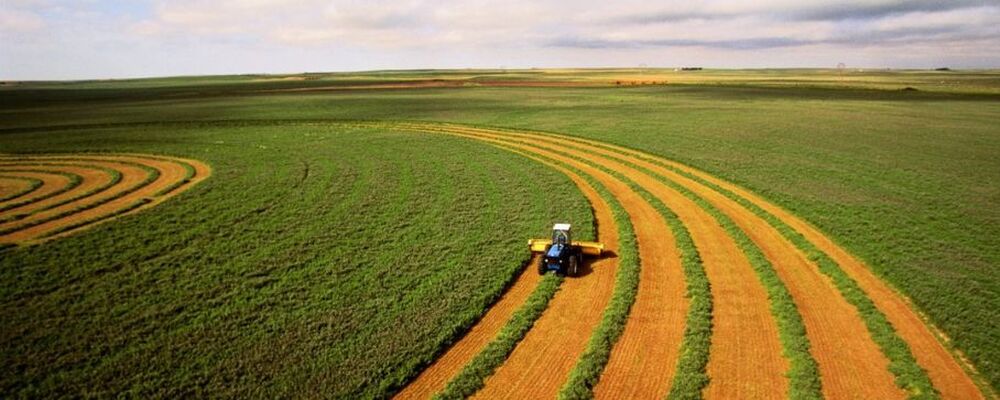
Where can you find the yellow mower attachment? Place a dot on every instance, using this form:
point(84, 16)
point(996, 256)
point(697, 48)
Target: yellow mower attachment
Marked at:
point(588, 248)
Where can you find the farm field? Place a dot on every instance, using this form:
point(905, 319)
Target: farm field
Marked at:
point(362, 235)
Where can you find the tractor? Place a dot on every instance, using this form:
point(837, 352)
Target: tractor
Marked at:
point(561, 254)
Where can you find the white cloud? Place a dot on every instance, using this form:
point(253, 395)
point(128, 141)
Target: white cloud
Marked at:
point(13, 20)
point(194, 36)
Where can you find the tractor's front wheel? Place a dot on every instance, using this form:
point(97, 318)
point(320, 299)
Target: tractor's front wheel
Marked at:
point(541, 266)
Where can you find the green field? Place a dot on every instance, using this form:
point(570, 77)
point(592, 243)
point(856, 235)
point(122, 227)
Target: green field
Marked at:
point(343, 259)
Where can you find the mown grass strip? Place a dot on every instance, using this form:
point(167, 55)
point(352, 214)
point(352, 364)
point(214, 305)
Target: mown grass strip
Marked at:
point(189, 173)
point(909, 375)
point(116, 177)
point(153, 175)
point(803, 374)
point(804, 379)
point(74, 181)
point(588, 368)
point(691, 375)
point(474, 374)
point(33, 184)
point(586, 373)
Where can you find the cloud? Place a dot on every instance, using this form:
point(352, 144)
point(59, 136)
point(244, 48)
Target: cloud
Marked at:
point(13, 20)
point(150, 37)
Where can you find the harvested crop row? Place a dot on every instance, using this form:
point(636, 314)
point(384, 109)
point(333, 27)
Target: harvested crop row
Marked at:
point(53, 184)
point(106, 186)
point(434, 378)
point(97, 179)
point(537, 367)
point(12, 187)
point(666, 319)
point(741, 313)
point(850, 362)
point(913, 335)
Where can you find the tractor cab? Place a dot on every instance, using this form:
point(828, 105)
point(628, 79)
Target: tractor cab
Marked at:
point(560, 234)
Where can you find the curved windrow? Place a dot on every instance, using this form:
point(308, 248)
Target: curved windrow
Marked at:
point(53, 195)
point(764, 281)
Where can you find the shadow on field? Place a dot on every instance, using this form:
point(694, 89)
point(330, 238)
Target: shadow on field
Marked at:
point(588, 262)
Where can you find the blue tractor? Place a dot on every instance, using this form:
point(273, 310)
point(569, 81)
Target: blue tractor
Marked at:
point(561, 254)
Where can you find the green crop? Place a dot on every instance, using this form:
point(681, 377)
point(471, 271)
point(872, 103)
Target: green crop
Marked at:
point(336, 259)
point(904, 180)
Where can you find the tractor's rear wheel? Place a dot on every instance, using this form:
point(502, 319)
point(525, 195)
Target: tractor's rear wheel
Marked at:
point(574, 265)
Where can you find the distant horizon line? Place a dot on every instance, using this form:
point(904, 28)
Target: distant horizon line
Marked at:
point(707, 68)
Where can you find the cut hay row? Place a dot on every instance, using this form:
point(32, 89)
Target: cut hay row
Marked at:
point(79, 191)
point(94, 179)
point(17, 186)
point(821, 322)
point(54, 183)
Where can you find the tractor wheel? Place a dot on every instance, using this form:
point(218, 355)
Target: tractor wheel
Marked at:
point(541, 266)
point(574, 265)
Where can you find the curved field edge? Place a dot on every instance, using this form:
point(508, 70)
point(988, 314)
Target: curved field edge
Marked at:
point(909, 375)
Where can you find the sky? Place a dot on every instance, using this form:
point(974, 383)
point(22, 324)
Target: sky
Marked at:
point(87, 39)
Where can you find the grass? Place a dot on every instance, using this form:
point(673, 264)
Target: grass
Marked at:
point(474, 374)
point(268, 278)
point(904, 180)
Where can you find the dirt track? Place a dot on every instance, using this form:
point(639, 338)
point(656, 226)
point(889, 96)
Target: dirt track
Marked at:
point(53, 211)
point(745, 355)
